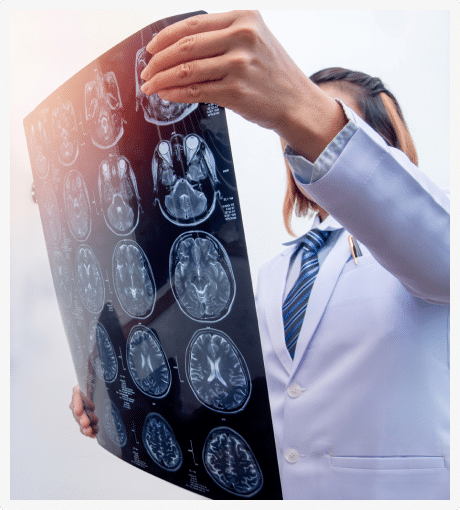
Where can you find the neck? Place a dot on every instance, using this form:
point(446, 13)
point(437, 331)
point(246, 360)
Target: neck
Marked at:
point(322, 213)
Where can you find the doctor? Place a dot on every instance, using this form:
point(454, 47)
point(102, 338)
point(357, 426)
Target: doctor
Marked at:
point(358, 383)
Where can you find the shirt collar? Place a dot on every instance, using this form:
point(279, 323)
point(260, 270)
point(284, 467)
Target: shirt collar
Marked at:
point(329, 224)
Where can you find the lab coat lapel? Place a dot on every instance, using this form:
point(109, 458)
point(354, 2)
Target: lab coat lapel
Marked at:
point(322, 289)
point(274, 308)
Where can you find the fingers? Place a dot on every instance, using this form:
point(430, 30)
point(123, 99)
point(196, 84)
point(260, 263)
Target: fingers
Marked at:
point(190, 26)
point(207, 92)
point(89, 432)
point(76, 404)
point(187, 73)
point(87, 403)
point(82, 409)
point(206, 58)
point(188, 49)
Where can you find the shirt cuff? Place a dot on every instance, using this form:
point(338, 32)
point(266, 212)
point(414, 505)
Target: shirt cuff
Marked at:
point(307, 172)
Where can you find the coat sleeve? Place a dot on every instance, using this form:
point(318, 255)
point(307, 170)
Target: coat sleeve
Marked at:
point(391, 207)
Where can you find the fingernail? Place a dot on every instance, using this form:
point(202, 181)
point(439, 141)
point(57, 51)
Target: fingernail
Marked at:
point(144, 74)
point(144, 88)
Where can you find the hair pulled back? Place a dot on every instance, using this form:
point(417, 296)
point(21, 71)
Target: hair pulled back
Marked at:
point(380, 110)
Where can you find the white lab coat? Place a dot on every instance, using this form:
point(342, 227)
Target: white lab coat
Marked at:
point(362, 412)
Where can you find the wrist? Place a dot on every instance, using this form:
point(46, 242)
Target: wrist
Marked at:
point(311, 121)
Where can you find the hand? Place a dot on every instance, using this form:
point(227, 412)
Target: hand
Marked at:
point(82, 409)
point(233, 60)
point(229, 59)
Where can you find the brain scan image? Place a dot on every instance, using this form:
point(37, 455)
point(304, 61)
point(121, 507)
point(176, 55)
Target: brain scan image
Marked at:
point(133, 278)
point(52, 218)
point(147, 362)
point(156, 110)
point(65, 133)
point(77, 205)
point(39, 138)
point(184, 179)
point(90, 282)
point(118, 195)
point(62, 279)
point(76, 345)
point(217, 372)
point(204, 285)
point(103, 109)
point(102, 353)
point(113, 424)
point(160, 442)
point(230, 462)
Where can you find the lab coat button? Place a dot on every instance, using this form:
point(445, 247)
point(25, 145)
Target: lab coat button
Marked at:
point(294, 390)
point(291, 455)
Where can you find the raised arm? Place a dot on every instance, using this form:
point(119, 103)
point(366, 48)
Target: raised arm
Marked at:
point(233, 60)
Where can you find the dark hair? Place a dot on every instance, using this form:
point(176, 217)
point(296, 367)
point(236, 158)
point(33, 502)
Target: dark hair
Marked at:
point(380, 110)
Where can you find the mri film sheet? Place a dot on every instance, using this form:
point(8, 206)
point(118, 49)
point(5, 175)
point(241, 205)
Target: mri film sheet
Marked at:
point(142, 223)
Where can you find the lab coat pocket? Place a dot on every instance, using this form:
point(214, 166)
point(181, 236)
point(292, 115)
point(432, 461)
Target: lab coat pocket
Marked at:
point(405, 462)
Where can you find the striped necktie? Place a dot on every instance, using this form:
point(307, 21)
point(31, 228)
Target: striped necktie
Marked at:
point(296, 301)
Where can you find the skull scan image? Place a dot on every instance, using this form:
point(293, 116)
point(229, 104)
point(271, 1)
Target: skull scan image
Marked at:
point(133, 278)
point(113, 424)
point(217, 372)
point(161, 443)
point(204, 284)
point(118, 195)
point(147, 362)
point(62, 279)
point(76, 345)
point(50, 210)
point(103, 109)
point(90, 282)
point(184, 179)
point(101, 352)
point(77, 205)
point(156, 110)
point(65, 133)
point(39, 138)
point(230, 462)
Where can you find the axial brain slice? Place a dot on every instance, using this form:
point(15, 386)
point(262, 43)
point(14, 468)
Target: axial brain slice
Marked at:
point(203, 287)
point(76, 347)
point(217, 372)
point(229, 461)
point(133, 279)
point(118, 194)
point(157, 111)
point(39, 143)
point(103, 109)
point(63, 280)
point(147, 363)
point(77, 205)
point(102, 353)
point(113, 424)
point(184, 177)
point(89, 279)
point(160, 442)
point(50, 208)
point(65, 132)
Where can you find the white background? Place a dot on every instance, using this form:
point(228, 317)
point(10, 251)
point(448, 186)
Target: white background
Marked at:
point(408, 49)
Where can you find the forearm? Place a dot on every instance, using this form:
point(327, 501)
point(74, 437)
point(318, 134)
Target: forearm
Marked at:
point(384, 200)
